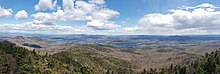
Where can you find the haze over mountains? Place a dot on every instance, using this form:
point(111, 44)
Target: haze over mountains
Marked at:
point(139, 51)
point(109, 37)
point(127, 41)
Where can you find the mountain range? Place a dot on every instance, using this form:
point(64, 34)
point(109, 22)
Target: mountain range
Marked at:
point(116, 53)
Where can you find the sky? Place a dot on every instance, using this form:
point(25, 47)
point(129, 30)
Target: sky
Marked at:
point(111, 17)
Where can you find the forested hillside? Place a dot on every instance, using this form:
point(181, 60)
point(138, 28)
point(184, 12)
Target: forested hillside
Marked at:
point(207, 64)
point(18, 60)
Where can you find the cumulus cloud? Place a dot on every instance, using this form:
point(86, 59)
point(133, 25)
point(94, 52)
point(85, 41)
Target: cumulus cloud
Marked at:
point(78, 10)
point(104, 14)
point(45, 5)
point(90, 11)
point(102, 25)
point(5, 13)
point(68, 4)
point(30, 27)
point(99, 2)
point(204, 5)
point(131, 28)
point(21, 15)
point(41, 18)
point(201, 19)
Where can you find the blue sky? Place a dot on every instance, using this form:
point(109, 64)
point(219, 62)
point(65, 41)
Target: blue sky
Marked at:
point(150, 17)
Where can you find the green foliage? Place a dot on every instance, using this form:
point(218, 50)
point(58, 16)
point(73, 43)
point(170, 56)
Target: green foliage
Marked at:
point(18, 60)
point(208, 64)
point(28, 62)
point(90, 62)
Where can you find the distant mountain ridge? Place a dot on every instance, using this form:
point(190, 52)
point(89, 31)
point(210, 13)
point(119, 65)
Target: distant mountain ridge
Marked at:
point(127, 41)
point(28, 42)
point(101, 54)
point(130, 41)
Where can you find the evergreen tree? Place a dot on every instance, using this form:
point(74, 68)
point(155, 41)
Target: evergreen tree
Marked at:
point(144, 72)
point(108, 72)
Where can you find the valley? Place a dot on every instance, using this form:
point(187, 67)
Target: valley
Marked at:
point(109, 37)
point(134, 59)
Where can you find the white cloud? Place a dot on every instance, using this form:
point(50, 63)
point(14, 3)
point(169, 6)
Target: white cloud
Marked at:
point(102, 25)
point(85, 6)
point(30, 27)
point(99, 2)
point(21, 15)
point(78, 10)
point(201, 19)
point(5, 13)
point(45, 5)
point(204, 5)
point(81, 10)
point(104, 14)
point(131, 28)
point(68, 4)
point(44, 18)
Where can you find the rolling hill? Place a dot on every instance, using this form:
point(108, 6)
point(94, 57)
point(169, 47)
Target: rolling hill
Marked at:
point(42, 56)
